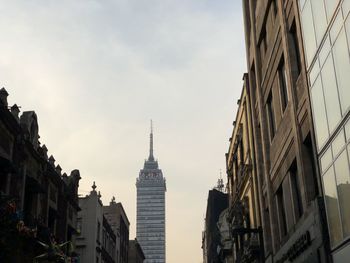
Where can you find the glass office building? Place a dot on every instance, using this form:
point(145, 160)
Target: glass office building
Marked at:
point(326, 34)
point(150, 227)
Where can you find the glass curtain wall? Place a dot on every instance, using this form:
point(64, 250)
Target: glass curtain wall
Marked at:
point(326, 35)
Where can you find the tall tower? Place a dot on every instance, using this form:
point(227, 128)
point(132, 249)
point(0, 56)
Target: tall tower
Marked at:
point(150, 229)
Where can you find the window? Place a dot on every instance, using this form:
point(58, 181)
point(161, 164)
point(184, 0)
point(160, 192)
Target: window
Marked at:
point(241, 152)
point(283, 84)
point(3, 182)
point(282, 222)
point(346, 7)
point(253, 84)
point(309, 32)
point(311, 178)
point(331, 93)
point(330, 7)
point(263, 43)
point(104, 237)
point(274, 6)
point(296, 196)
point(79, 226)
point(331, 199)
point(342, 174)
point(271, 116)
point(319, 113)
point(52, 220)
point(320, 21)
point(342, 68)
point(98, 231)
point(295, 47)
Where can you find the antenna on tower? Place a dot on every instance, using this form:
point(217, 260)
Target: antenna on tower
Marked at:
point(220, 184)
point(151, 157)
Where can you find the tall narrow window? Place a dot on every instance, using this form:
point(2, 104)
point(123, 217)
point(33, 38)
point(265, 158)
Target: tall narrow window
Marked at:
point(283, 84)
point(253, 84)
point(296, 195)
point(241, 152)
point(98, 231)
point(263, 43)
point(274, 4)
point(295, 47)
point(271, 116)
point(282, 222)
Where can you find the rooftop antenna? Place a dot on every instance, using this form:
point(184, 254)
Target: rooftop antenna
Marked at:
point(220, 184)
point(151, 157)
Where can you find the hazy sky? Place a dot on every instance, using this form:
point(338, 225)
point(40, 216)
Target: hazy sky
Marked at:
point(97, 71)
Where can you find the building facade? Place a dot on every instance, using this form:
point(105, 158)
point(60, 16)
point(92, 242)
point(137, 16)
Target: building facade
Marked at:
point(135, 252)
point(288, 183)
point(326, 34)
point(150, 228)
point(96, 242)
point(42, 200)
point(216, 204)
point(117, 218)
point(243, 186)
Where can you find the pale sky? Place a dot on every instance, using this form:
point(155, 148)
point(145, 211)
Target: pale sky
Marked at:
point(97, 71)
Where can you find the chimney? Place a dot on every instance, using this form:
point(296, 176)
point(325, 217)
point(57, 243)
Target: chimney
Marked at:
point(15, 112)
point(3, 96)
point(52, 161)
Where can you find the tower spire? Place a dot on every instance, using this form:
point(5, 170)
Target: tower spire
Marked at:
point(151, 157)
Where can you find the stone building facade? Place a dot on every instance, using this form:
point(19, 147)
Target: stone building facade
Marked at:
point(217, 202)
point(117, 218)
point(287, 198)
point(96, 242)
point(326, 33)
point(243, 185)
point(45, 199)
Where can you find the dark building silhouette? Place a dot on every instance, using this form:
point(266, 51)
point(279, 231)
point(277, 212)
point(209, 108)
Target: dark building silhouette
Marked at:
point(46, 199)
point(135, 252)
point(217, 203)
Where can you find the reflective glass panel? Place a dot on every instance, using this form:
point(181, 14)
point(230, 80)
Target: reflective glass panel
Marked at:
point(337, 24)
point(326, 47)
point(319, 113)
point(342, 68)
point(331, 93)
point(326, 159)
point(347, 27)
point(338, 143)
point(309, 33)
point(330, 7)
point(342, 174)
point(320, 21)
point(314, 72)
point(346, 7)
point(332, 208)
